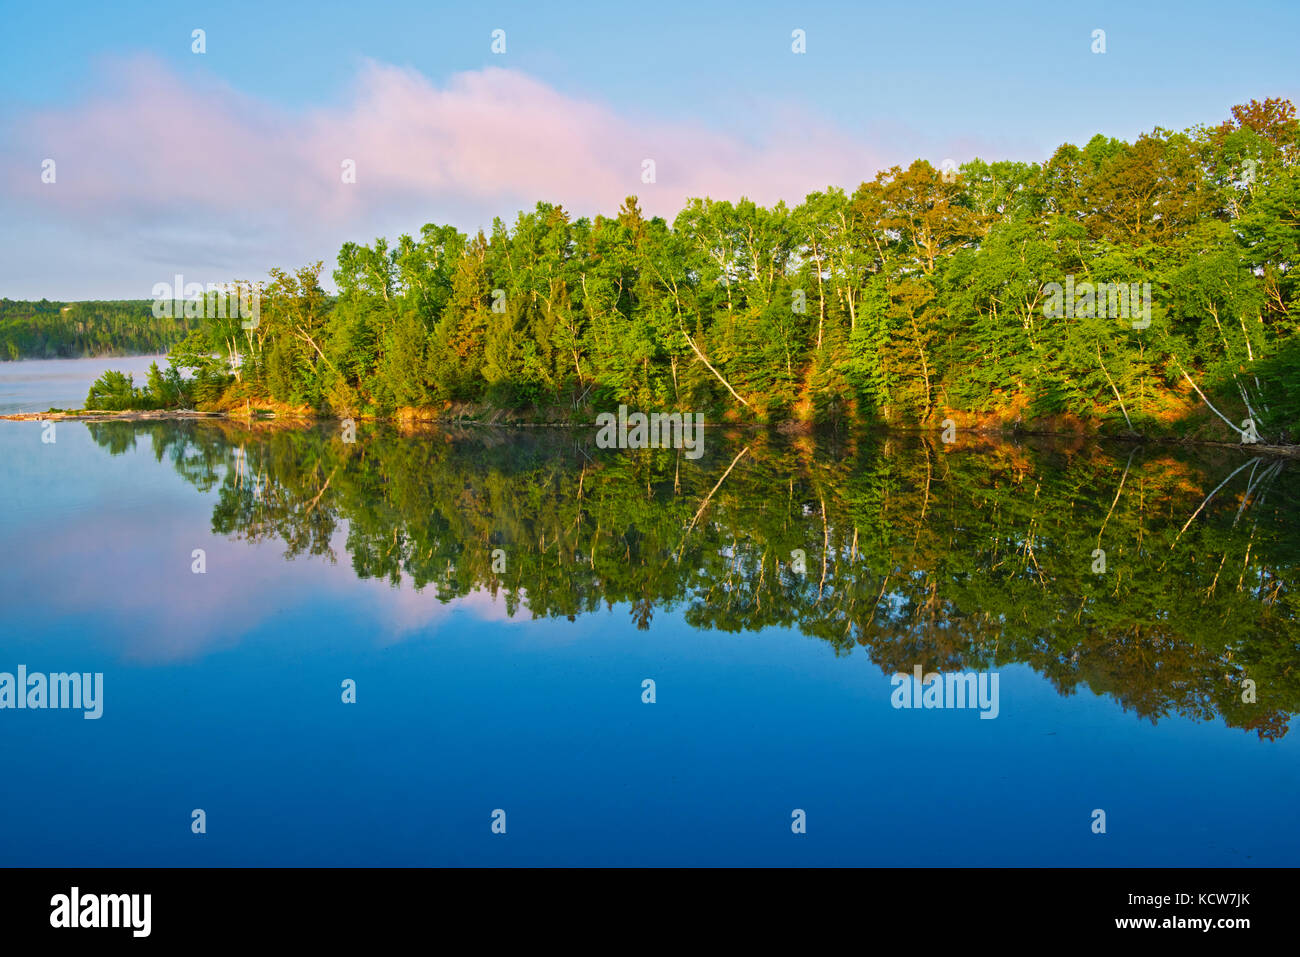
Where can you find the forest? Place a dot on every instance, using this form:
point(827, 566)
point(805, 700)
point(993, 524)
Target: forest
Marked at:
point(923, 295)
point(73, 330)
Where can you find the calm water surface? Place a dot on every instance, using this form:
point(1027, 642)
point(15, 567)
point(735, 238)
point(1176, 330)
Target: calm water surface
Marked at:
point(499, 597)
point(35, 385)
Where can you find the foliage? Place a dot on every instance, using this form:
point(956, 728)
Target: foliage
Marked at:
point(919, 296)
point(956, 557)
point(58, 330)
point(116, 391)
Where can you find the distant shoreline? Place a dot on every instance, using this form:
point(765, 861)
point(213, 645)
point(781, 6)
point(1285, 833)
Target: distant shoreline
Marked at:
point(90, 356)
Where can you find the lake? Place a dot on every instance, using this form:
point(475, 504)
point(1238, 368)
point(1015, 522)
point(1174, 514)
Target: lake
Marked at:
point(36, 385)
point(497, 602)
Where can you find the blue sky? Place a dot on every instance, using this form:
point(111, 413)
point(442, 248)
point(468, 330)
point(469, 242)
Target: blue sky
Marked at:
point(714, 89)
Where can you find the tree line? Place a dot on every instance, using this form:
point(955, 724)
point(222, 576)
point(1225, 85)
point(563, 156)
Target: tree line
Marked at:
point(72, 330)
point(923, 294)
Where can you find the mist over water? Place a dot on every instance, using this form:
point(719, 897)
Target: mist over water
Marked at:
point(35, 385)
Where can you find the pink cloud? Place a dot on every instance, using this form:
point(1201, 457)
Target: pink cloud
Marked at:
point(152, 608)
point(153, 146)
point(160, 173)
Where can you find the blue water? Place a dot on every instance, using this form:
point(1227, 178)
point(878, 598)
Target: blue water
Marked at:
point(222, 692)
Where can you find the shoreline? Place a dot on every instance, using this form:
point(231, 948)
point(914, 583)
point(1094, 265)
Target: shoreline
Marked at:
point(106, 416)
point(154, 415)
